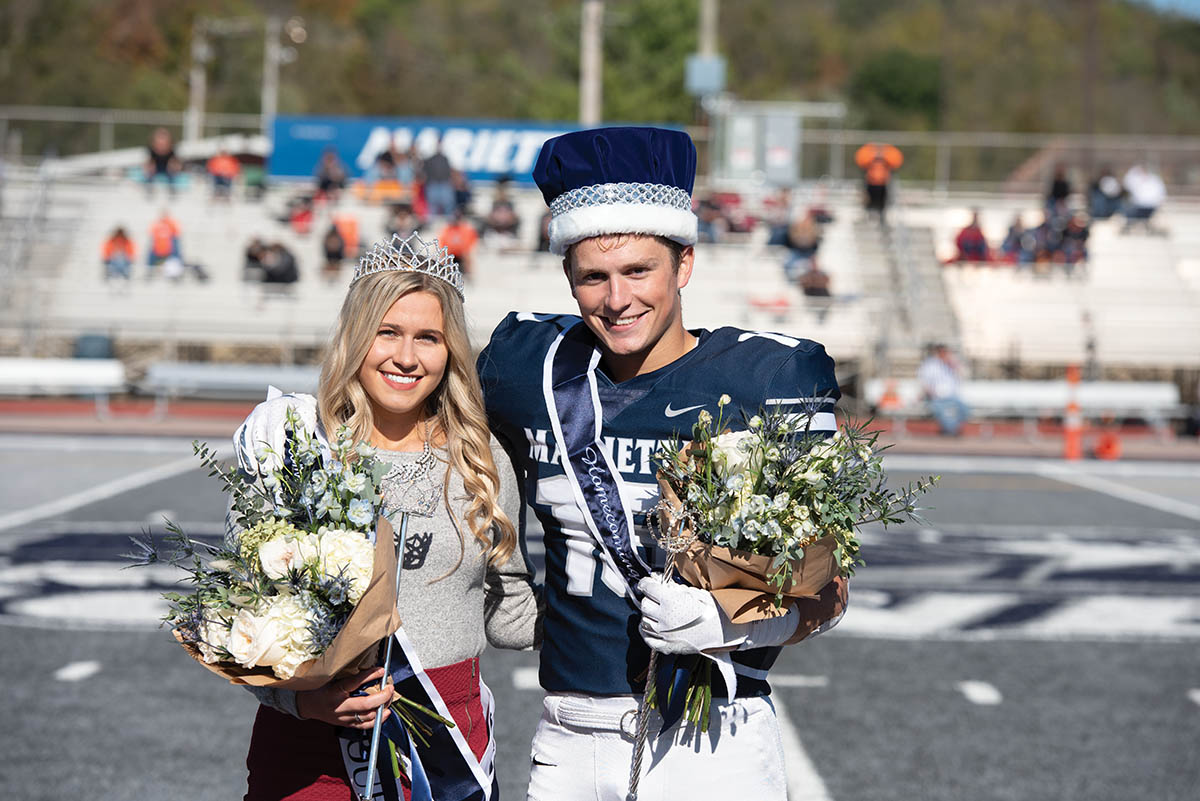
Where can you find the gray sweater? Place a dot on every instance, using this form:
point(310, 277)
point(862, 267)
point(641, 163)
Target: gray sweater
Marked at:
point(452, 603)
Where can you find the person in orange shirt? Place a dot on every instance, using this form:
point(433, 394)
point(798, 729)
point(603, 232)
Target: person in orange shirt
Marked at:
point(164, 241)
point(118, 254)
point(878, 161)
point(460, 238)
point(224, 170)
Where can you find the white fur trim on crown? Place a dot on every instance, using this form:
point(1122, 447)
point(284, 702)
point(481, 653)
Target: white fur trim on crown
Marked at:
point(621, 218)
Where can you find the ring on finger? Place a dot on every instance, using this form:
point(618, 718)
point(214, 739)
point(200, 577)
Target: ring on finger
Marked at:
point(358, 718)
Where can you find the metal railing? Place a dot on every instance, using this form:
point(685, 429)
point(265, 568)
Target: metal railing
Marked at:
point(108, 122)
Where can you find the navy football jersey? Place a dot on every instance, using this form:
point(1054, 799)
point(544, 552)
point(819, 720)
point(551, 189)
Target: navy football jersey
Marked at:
point(591, 644)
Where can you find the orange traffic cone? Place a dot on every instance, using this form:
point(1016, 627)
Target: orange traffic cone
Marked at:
point(890, 399)
point(1108, 445)
point(1072, 420)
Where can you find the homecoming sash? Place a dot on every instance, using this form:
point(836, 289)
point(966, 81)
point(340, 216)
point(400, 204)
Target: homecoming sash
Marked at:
point(446, 769)
point(569, 385)
point(573, 402)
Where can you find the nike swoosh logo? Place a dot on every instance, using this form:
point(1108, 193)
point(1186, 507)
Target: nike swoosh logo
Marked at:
point(669, 412)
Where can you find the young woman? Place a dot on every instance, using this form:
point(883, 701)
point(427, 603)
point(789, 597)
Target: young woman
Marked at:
point(399, 374)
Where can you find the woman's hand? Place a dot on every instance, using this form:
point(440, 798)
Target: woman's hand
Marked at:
point(334, 704)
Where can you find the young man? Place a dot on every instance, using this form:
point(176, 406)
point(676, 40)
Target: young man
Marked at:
point(582, 403)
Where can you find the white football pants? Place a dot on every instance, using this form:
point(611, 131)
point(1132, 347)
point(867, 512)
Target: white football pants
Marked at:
point(583, 751)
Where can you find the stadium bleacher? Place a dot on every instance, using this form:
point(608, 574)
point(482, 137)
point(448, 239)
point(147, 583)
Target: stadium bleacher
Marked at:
point(1135, 306)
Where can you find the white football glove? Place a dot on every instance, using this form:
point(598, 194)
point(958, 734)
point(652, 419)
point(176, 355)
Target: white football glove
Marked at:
point(678, 619)
point(259, 439)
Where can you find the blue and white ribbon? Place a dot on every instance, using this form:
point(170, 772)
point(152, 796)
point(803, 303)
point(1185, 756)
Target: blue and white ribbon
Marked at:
point(444, 770)
point(573, 401)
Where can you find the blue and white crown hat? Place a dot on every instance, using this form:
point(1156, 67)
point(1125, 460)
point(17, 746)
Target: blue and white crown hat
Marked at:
point(618, 181)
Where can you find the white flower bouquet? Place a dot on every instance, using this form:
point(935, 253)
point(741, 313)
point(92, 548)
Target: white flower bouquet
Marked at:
point(298, 593)
point(770, 513)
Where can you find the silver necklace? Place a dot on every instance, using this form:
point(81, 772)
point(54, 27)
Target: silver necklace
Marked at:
point(411, 486)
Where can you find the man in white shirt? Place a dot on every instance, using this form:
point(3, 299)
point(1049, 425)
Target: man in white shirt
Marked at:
point(941, 384)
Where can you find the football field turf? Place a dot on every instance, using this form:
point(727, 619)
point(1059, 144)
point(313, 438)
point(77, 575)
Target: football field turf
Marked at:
point(1037, 639)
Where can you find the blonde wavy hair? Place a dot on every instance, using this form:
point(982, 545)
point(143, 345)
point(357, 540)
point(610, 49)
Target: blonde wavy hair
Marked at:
point(455, 407)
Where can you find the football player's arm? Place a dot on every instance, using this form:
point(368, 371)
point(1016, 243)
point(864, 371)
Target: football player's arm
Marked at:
point(805, 385)
point(513, 604)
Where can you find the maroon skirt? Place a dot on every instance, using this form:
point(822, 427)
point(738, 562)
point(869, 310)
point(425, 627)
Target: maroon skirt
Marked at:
point(300, 760)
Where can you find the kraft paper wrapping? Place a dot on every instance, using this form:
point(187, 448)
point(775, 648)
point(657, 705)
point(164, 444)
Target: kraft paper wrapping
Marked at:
point(738, 579)
point(353, 649)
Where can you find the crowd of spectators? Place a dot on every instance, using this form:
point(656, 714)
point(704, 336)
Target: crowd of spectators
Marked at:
point(1061, 236)
point(164, 254)
point(801, 238)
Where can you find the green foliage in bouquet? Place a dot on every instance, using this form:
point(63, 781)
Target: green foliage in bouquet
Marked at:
point(777, 487)
point(296, 558)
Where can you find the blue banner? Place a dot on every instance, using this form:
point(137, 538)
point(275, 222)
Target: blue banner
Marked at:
point(483, 149)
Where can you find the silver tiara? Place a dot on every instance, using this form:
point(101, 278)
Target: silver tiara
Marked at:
point(411, 254)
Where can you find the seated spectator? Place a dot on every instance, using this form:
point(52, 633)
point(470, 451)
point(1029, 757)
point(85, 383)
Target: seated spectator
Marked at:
point(330, 175)
point(1146, 192)
point(941, 384)
point(1104, 195)
point(347, 227)
point(543, 244)
point(711, 224)
point(406, 171)
point(1047, 242)
point(279, 265)
point(1020, 244)
point(1059, 194)
point(118, 255)
point(223, 169)
point(462, 191)
point(1074, 243)
point(402, 221)
point(502, 217)
point(334, 248)
point(164, 242)
point(802, 238)
point(814, 282)
point(253, 268)
point(298, 213)
point(971, 243)
point(381, 184)
point(161, 162)
point(459, 237)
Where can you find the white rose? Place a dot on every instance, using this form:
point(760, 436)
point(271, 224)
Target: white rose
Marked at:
point(348, 553)
point(291, 619)
point(732, 450)
point(214, 635)
point(254, 640)
point(280, 555)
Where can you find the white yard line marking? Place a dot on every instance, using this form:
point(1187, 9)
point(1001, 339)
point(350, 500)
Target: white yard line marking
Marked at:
point(103, 442)
point(104, 491)
point(796, 680)
point(925, 615)
point(1121, 491)
point(804, 783)
point(980, 692)
point(526, 678)
point(77, 671)
point(1194, 695)
point(932, 463)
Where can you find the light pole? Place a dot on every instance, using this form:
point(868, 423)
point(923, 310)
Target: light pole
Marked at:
point(273, 55)
point(591, 63)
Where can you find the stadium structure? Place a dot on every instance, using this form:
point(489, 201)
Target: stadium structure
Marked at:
point(1131, 314)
